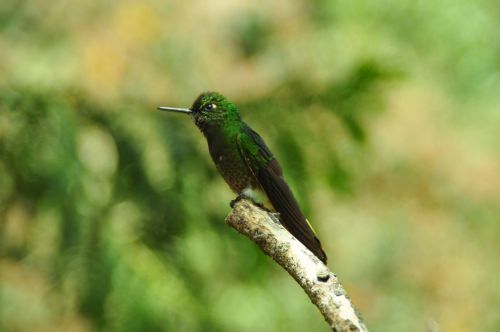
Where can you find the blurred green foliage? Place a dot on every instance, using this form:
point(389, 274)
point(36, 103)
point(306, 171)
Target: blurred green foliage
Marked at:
point(383, 114)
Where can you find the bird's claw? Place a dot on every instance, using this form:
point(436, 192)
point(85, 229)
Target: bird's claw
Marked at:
point(243, 196)
point(260, 205)
point(236, 200)
point(275, 216)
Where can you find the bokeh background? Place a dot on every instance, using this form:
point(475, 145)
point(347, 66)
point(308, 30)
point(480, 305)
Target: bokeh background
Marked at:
point(384, 115)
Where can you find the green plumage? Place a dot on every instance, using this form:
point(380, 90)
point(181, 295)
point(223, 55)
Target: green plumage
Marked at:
point(245, 162)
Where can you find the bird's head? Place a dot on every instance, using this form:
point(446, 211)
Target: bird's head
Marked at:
point(210, 108)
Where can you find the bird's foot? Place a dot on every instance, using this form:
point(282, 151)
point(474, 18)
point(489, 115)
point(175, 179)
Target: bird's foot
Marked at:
point(275, 216)
point(260, 205)
point(237, 199)
point(243, 196)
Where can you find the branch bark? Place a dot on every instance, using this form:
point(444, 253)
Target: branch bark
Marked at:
point(320, 284)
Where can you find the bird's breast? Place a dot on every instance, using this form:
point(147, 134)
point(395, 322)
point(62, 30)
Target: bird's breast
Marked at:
point(231, 165)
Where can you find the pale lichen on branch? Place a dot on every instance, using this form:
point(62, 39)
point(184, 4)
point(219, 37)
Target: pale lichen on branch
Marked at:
point(321, 285)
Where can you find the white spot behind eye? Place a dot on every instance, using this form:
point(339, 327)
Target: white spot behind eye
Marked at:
point(210, 107)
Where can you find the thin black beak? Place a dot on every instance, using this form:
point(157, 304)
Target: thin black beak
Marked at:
point(175, 109)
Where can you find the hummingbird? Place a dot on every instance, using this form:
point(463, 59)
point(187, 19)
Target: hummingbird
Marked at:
point(247, 165)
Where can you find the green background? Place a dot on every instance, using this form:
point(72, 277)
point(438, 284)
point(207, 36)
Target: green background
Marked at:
point(384, 115)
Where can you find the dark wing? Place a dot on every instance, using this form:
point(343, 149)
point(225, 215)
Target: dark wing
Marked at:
point(267, 170)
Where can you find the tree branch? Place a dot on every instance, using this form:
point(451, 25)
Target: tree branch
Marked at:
point(320, 284)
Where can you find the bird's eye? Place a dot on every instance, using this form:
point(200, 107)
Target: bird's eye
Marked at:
point(209, 107)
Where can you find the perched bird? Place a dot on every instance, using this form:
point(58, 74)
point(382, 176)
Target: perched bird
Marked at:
point(246, 163)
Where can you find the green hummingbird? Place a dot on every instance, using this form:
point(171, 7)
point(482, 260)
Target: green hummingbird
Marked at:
point(246, 163)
